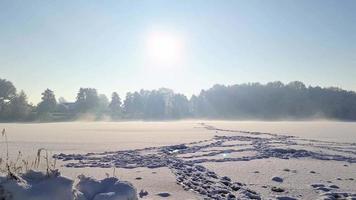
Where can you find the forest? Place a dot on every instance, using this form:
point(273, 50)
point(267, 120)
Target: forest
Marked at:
point(250, 101)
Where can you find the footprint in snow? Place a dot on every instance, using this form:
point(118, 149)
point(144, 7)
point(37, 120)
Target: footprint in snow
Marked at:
point(163, 194)
point(277, 179)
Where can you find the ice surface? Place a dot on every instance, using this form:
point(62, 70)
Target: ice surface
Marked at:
point(167, 153)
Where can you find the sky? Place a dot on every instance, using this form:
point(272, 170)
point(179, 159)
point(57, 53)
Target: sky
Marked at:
point(185, 45)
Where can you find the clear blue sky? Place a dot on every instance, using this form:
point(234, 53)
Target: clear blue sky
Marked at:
point(64, 45)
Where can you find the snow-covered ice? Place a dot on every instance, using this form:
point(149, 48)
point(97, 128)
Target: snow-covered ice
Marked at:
point(212, 160)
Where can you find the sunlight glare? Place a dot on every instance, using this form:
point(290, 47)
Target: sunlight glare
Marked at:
point(164, 48)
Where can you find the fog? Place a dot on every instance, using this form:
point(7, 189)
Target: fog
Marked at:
point(251, 101)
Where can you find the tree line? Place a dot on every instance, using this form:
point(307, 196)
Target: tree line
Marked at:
point(271, 101)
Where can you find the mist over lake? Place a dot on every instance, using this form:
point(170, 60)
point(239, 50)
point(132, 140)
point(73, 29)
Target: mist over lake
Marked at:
point(105, 136)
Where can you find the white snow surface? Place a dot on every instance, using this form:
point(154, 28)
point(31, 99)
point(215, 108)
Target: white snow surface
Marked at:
point(35, 185)
point(202, 159)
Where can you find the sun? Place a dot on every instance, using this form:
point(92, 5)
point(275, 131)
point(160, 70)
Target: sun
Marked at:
point(164, 48)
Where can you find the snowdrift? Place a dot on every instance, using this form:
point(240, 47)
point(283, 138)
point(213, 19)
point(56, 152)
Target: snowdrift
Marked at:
point(34, 185)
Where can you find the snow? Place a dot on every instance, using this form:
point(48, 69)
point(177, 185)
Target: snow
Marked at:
point(38, 186)
point(35, 185)
point(107, 189)
point(191, 160)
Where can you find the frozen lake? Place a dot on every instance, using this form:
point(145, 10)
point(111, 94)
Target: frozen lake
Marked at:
point(105, 136)
point(99, 137)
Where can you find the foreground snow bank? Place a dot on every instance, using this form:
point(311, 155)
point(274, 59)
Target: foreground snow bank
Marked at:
point(35, 185)
point(106, 189)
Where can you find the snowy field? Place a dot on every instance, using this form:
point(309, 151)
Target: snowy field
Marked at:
point(202, 159)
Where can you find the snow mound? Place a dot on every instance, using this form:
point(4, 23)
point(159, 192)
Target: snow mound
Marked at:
point(106, 189)
point(34, 185)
